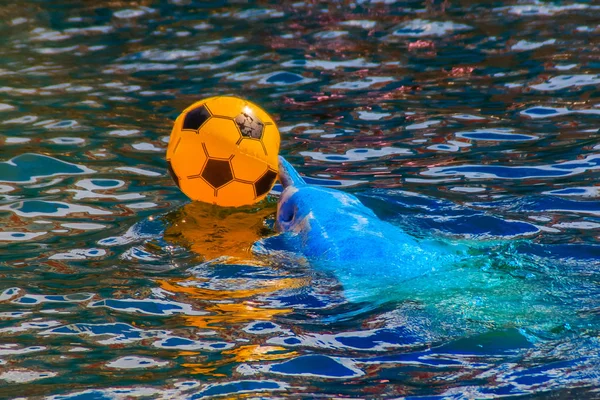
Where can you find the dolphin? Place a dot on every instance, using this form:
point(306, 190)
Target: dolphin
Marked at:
point(335, 232)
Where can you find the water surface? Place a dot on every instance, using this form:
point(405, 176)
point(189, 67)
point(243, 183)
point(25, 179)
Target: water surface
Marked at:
point(475, 122)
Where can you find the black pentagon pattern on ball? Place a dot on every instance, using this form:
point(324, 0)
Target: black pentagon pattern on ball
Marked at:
point(250, 125)
point(195, 118)
point(217, 172)
point(265, 182)
point(172, 173)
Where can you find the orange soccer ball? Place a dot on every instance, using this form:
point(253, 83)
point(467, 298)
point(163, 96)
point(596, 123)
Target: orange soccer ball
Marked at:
point(223, 150)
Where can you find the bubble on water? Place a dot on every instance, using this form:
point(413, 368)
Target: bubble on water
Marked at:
point(228, 40)
point(14, 314)
point(587, 28)
point(83, 226)
point(330, 65)
point(471, 171)
point(422, 27)
point(135, 362)
point(175, 54)
point(541, 9)
point(78, 254)
point(119, 333)
point(566, 81)
point(257, 13)
point(368, 340)
point(284, 78)
point(565, 67)
point(19, 236)
point(330, 34)
point(147, 147)
point(496, 135)
point(6, 107)
point(139, 67)
point(372, 116)
point(9, 293)
point(102, 29)
point(16, 140)
point(130, 13)
point(139, 171)
point(263, 328)
point(147, 306)
point(22, 120)
point(467, 189)
point(362, 83)
point(142, 206)
point(450, 146)
point(549, 112)
point(577, 191)
point(179, 343)
point(34, 299)
point(469, 117)
point(423, 125)
point(36, 208)
point(24, 375)
point(56, 50)
point(124, 132)
point(360, 154)
point(218, 66)
point(360, 23)
point(7, 349)
point(577, 225)
point(67, 140)
point(43, 34)
point(241, 389)
point(317, 366)
point(18, 21)
point(524, 45)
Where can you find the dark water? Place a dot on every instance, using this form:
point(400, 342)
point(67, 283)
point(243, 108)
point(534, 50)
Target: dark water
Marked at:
point(477, 122)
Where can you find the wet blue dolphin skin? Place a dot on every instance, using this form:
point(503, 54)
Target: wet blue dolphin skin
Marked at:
point(334, 231)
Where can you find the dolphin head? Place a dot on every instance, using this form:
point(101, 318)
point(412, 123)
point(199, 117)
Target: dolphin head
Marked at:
point(302, 206)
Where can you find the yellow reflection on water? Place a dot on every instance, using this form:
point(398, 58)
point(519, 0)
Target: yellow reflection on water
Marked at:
point(242, 354)
point(213, 231)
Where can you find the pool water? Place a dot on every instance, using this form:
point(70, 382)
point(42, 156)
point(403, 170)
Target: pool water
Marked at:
point(473, 123)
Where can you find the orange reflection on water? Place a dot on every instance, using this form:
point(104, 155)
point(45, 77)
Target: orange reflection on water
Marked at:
point(266, 286)
point(213, 231)
point(255, 352)
point(242, 354)
point(232, 313)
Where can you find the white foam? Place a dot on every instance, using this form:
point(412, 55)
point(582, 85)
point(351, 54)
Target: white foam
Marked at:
point(360, 23)
point(24, 375)
point(78, 254)
point(22, 120)
point(423, 125)
point(541, 9)
point(330, 65)
point(361, 83)
point(133, 13)
point(372, 116)
point(135, 362)
point(19, 236)
point(330, 34)
point(356, 154)
point(16, 140)
point(138, 171)
point(422, 27)
point(524, 45)
point(147, 147)
point(566, 81)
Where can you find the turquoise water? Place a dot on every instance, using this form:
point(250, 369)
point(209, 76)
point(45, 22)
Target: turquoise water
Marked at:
point(473, 122)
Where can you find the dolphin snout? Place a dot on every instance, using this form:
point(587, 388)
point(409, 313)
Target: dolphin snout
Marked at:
point(288, 176)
